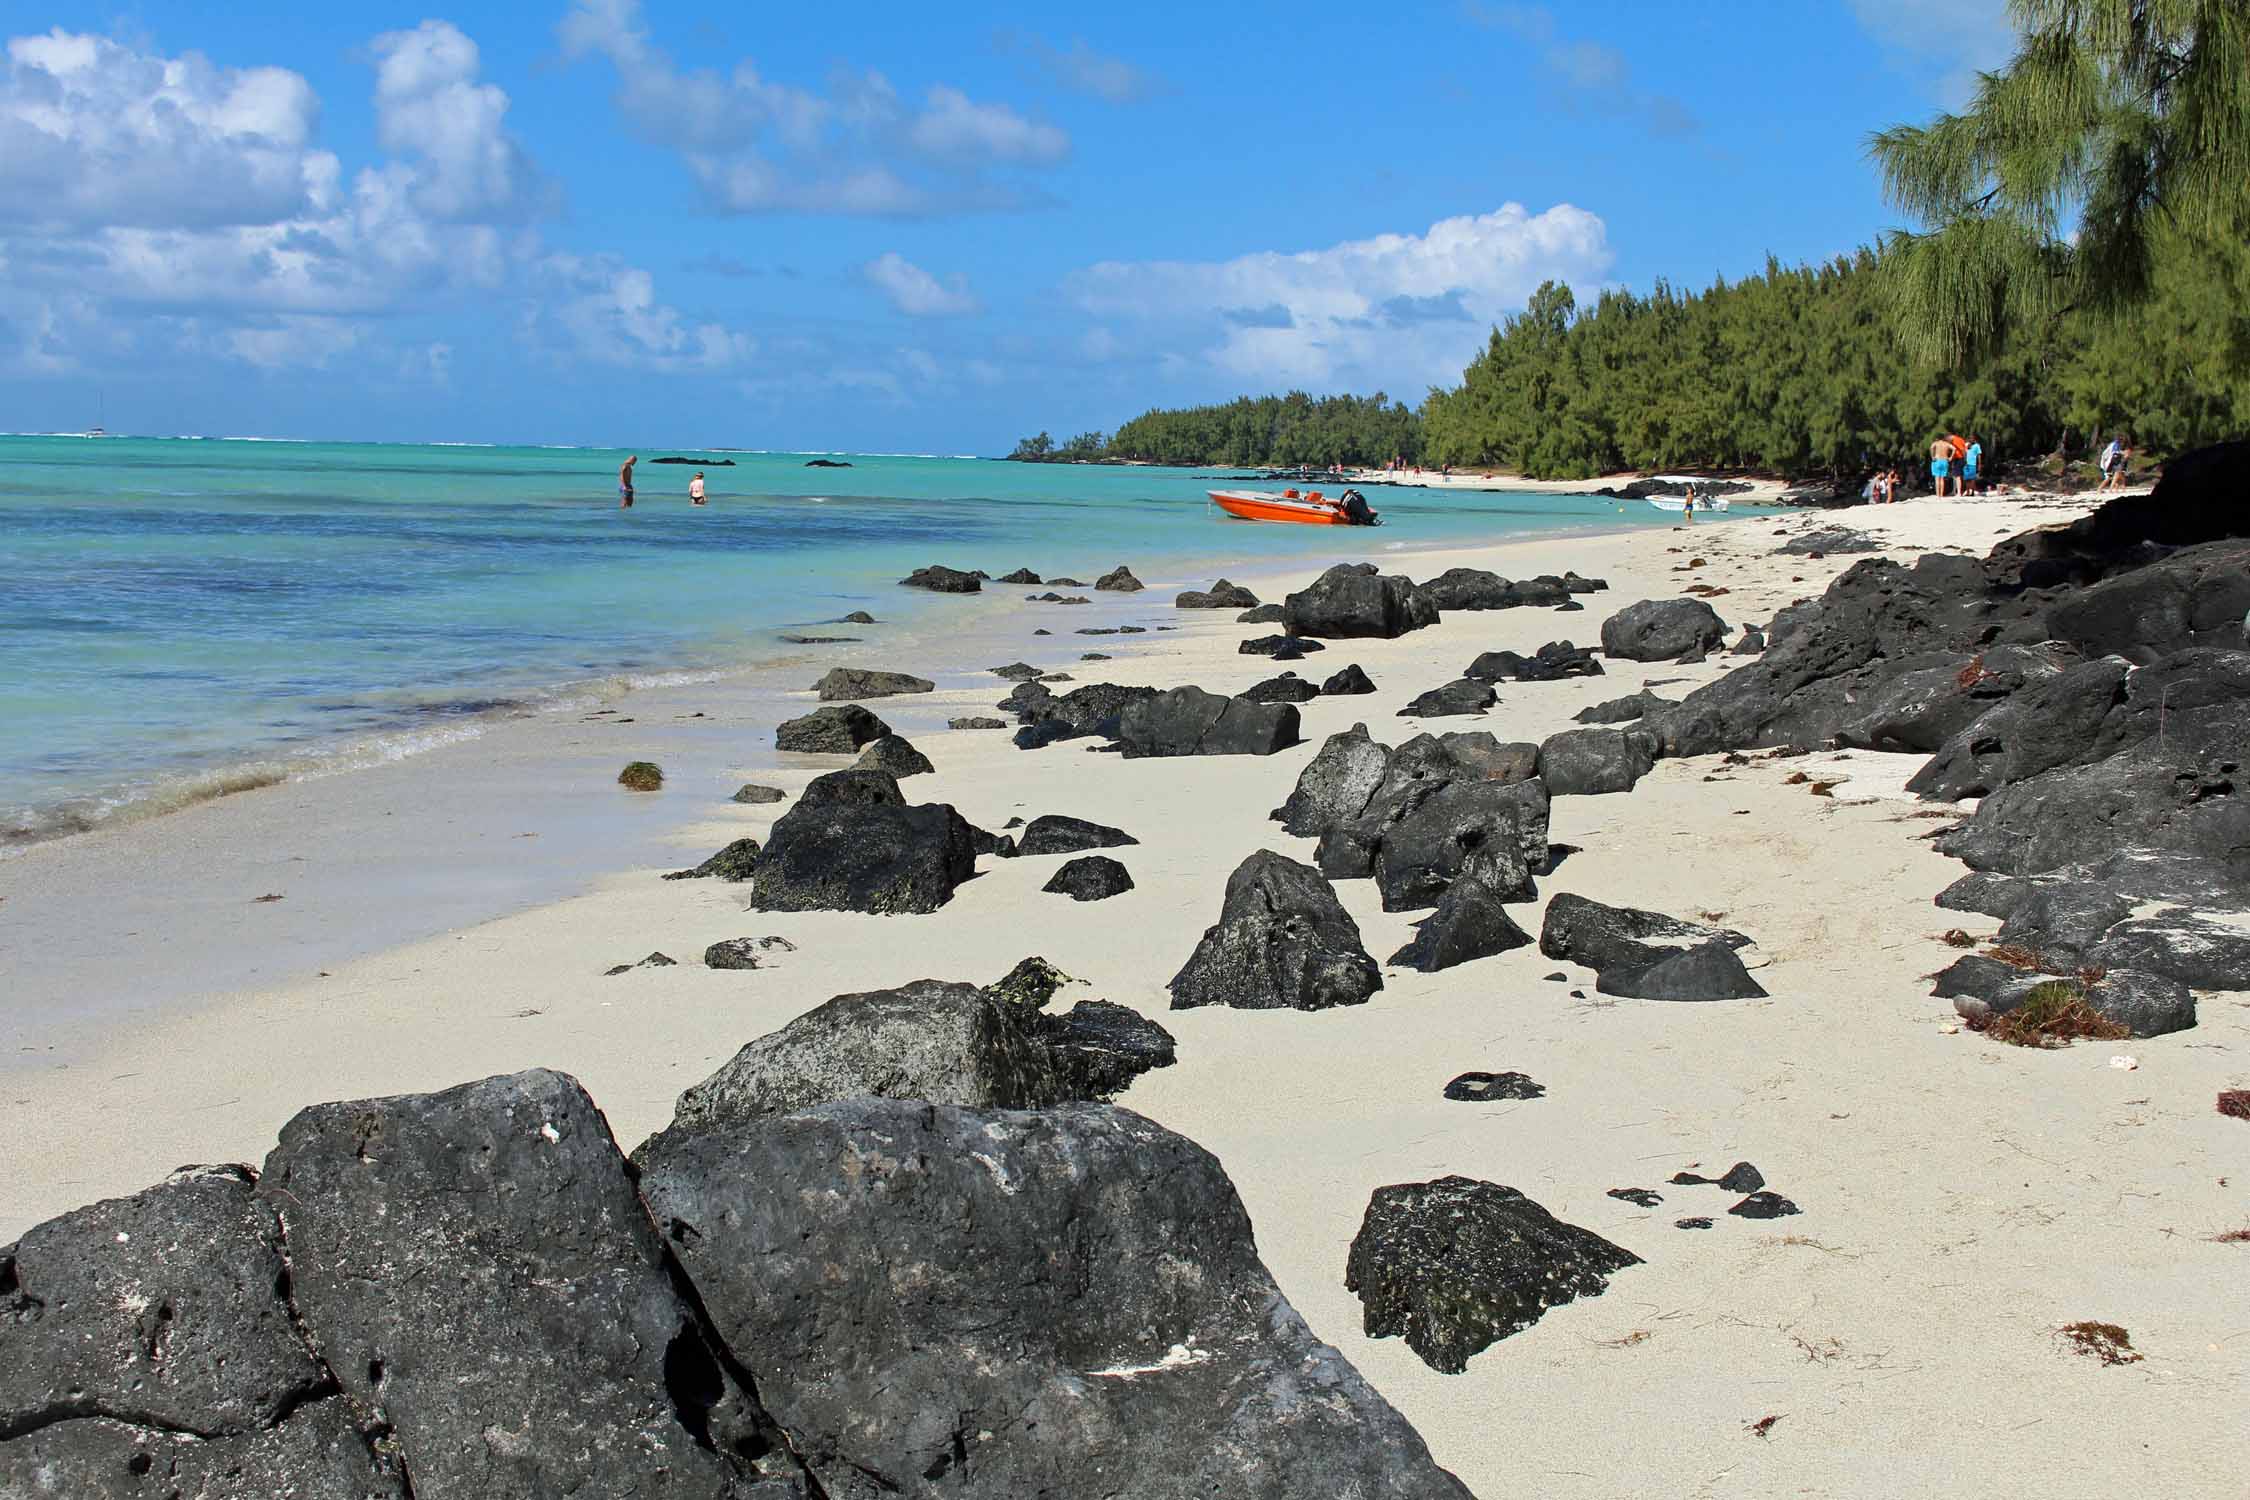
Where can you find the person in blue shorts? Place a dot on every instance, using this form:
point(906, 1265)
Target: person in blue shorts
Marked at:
point(1941, 460)
point(1971, 463)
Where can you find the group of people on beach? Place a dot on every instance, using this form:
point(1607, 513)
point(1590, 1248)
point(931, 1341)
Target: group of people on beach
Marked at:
point(625, 485)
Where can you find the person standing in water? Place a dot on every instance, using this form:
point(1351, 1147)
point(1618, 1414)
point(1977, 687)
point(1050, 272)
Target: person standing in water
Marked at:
point(695, 488)
point(1687, 505)
point(625, 482)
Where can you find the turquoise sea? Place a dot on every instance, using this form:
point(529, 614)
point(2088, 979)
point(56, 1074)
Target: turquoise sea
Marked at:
point(181, 615)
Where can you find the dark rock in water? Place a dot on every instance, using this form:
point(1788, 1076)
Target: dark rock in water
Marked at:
point(894, 754)
point(858, 617)
point(1711, 971)
point(1595, 762)
point(943, 580)
point(653, 961)
point(1352, 600)
point(737, 861)
point(1462, 696)
point(1119, 580)
point(1753, 642)
point(836, 730)
point(843, 684)
point(1336, 784)
point(1051, 597)
point(1698, 1222)
point(1140, 629)
point(1279, 647)
point(838, 857)
point(166, 1310)
point(1638, 1197)
point(732, 953)
point(1349, 682)
point(817, 640)
point(1099, 1048)
point(1456, 1265)
point(1080, 1265)
point(819, 463)
point(1068, 583)
point(318, 1451)
point(1020, 576)
point(1019, 671)
point(976, 721)
point(1487, 1088)
point(1220, 595)
point(1264, 614)
point(1836, 540)
point(1622, 710)
point(1287, 688)
point(1602, 937)
point(751, 792)
point(1093, 656)
point(1764, 1206)
point(1985, 893)
point(1662, 630)
point(945, 1043)
point(1551, 663)
point(641, 775)
point(1090, 877)
point(1469, 922)
point(476, 1267)
point(2179, 945)
point(1054, 833)
point(1282, 940)
point(2063, 920)
point(1094, 630)
point(854, 786)
point(1465, 829)
point(1190, 721)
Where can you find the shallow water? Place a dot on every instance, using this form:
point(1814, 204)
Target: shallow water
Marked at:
point(183, 617)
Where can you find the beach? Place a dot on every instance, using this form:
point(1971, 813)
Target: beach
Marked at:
point(1961, 1200)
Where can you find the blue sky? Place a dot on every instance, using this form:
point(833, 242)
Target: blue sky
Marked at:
point(661, 223)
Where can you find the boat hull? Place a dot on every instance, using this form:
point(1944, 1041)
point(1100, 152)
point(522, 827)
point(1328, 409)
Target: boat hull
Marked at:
point(1673, 503)
point(1253, 505)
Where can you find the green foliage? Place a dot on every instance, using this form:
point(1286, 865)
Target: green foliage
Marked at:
point(2118, 133)
point(1287, 431)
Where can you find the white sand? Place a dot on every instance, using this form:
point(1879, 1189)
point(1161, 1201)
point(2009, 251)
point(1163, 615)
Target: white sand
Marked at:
point(1962, 1200)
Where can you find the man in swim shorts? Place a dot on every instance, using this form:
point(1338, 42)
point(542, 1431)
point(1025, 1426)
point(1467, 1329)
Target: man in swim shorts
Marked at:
point(695, 489)
point(1941, 460)
point(625, 483)
point(1971, 462)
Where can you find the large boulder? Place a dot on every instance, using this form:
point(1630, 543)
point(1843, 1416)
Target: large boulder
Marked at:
point(845, 684)
point(1456, 1265)
point(320, 1451)
point(1594, 762)
point(1586, 932)
point(2178, 944)
point(836, 730)
point(164, 1310)
point(1485, 756)
point(1190, 721)
point(2197, 597)
point(1352, 600)
point(1350, 682)
point(1057, 833)
point(1456, 699)
point(1220, 595)
point(1417, 772)
point(854, 786)
point(2063, 920)
point(1470, 922)
point(1282, 940)
point(1095, 708)
point(895, 756)
point(1089, 877)
point(1336, 784)
point(1662, 630)
point(844, 857)
point(1707, 971)
point(1467, 589)
point(943, 580)
point(1119, 580)
point(1067, 1302)
point(1503, 828)
point(1100, 1047)
point(476, 1270)
point(1287, 688)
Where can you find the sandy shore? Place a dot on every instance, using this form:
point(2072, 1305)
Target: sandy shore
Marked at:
point(1961, 1199)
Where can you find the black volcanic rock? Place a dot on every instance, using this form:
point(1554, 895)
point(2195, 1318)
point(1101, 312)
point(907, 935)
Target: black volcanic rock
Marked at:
point(1119, 580)
point(737, 861)
point(1455, 699)
point(1287, 688)
point(1662, 630)
point(1488, 1088)
point(1090, 877)
point(1190, 721)
point(943, 580)
point(845, 857)
point(1282, 940)
point(1349, 682)
point(1220, 595)
point(1055, 833)
point(1352, 600)
point(836, 730)
point(846, 684)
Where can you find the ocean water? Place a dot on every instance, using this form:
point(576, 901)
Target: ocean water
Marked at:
point(181, 617)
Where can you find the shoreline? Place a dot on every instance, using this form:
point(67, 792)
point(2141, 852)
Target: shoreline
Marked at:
point(1917, 1294)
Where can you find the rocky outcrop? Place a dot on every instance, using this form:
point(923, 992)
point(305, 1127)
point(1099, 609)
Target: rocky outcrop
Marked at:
point(1551, 663)
point(847, 684)
point(1055, 833)
point(1119, 580)
point(1190, 721)
point(1645, 954)
point(838, 856)
point(943, 580)
point(1351, 600)
point(1823, 541)
point(1282, 941)
point(894, 755)
point(1456, 1265)
point(838, 730)
point(1090, 877)
point(1220, 595)
point(736, 861)
point(1662, 630)
point(1594, 762)
point(1287, 688)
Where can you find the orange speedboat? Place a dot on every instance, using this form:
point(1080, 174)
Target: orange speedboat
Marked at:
point(1310, 508)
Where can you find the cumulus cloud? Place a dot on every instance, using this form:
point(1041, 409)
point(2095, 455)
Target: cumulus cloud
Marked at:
point(607, 311)
point(916, 292)
point(1081, 69)
point(1397, 310)
point(157, 203)
point(1966, 36)
point(858, 148)
point(1586, 71)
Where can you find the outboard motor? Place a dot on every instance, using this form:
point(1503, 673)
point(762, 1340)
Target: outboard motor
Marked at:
point(1356, 510)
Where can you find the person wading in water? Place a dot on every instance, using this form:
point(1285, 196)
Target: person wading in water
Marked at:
point(625, 482)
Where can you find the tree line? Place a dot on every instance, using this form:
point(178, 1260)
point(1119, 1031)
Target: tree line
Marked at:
point(1289, 431)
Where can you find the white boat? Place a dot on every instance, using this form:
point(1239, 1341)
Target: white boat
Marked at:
point(1678, 503)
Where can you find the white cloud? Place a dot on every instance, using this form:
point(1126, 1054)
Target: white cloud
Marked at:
point(1397, 310)
point(860, 148)
point(607, 311)
point(94, 134)
point(916, 292)
point(1966, 36)
point(429, 104)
